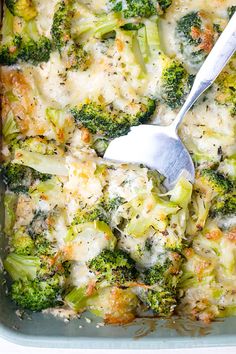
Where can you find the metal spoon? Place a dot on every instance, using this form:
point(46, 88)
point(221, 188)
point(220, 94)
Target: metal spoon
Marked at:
point(159, 147)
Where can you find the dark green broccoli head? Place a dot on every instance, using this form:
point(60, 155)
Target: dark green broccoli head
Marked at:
point(111, 123)
point(195, 35)
point(114, 267)
point(160, 301)
point(224, 206)
point(226, 95)
point(61, 27)
point(9, 53)
point(35, 52)
point(22, 8)
point(19, 178)
point(98, 213)
point(162, 274)
point(72, 53)
point(215, 181)
point(175, 84)
point(43, 246)
point(26, 50)
point(36, 295)
point(231, 10)
point(140, 8)
point(22, 243)
point(37, 281)
point(24, 45)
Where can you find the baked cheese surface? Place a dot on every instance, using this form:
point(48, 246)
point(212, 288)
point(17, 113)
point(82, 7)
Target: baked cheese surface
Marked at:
point(102, 236)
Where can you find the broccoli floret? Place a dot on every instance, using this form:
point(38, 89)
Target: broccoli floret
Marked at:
point(224, 206)
point(161, 274)
point(72, 53)
point(162, 302)
point(227, 87)
point(35, 52)
point(27, 45)
point(9, 53)
point(89, 215)
point(105, 121)
point(175, 83)
point(196, 36)
point(19, 178)
point(114, 267)
point(231, 10)
point(22, 243)
point(61, 25)
point(36, 295)
point(163, 277)
point(210, 187)
point(215, 181)
point(140, 8)
point(22, 8)
point(35, 285)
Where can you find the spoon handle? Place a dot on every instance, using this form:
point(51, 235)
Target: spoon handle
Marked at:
point(211, 68)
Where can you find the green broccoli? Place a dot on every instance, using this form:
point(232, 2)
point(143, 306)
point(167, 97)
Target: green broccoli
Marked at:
point(27, 45)
point(113, 267)
point(139, 8)
point(10, 129)
point(162, 274)
point(160, 301)
point(175, 83)
point(224, 206)
point(109, 122)
point(19, 178)
point(210, 187)
point(195, 35)
point(36, 295)
point(72, 53)
point(22, 243)
point(38, 144)
point(231, 10)
point(163, 278)
point(22, 8)
point(77, 298)
point(35, 52)
point(215, 181)
point(89, 215)
point(227, 87)
point(36, 285)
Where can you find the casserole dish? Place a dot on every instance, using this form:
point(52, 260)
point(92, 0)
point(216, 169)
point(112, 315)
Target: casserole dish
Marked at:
point(41, 329)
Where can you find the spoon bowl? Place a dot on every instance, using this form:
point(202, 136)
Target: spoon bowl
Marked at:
point(157, 148)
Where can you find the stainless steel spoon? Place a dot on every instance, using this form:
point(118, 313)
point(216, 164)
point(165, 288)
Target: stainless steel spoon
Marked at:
point(159, 147)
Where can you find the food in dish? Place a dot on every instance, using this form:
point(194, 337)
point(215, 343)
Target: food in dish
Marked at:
point(87, 234)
